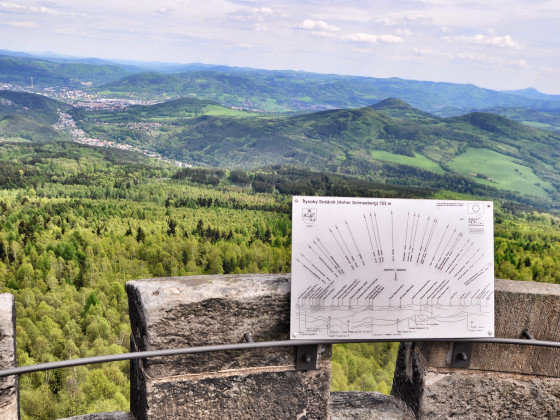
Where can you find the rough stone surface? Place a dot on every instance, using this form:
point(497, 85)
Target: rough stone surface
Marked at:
point(259, 395)
point(368, 406)
point(206, 310)
point(470, 395)
point(503, 381)
point(115, 415)
point(519, 305)
point(9, 397)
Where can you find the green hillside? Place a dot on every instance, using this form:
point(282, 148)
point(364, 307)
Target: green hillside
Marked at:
point(543, 119)
point(29, 117)
point(501, 171)
point(38, 108)
point(399, 109)
point(391, 142)
point(19, 71)
point(179, 109)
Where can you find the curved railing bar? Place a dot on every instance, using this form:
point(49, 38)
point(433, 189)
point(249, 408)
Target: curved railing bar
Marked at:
point(245, 346)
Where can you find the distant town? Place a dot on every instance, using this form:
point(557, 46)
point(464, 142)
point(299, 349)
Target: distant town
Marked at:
point(67, 123)
point(91, 101)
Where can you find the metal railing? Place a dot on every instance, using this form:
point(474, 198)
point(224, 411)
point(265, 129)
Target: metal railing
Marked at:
point(528, 341)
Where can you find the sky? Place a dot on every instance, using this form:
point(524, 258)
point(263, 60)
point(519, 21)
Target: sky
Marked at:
point(496, 44)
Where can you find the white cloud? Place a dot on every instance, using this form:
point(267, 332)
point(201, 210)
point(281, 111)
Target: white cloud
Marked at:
point(18, 8)
point(317, 24)
point(21, 24)
point(260, 27)
point(420, 18)
point(405, 32)
point(264, 11)
point(12, 6)
point(505, 41)
point(400, 18)
point(430, 52)
point(522, 64)
point(374, 39)
point(494, 61)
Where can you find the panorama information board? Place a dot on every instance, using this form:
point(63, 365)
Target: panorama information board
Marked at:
point(391, 268)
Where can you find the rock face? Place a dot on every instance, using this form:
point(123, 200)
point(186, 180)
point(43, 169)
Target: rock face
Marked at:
point(503, 381)
point(9, 398)
point(205, 310)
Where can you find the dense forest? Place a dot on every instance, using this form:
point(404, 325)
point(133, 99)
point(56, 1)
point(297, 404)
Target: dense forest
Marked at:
point(78, 222)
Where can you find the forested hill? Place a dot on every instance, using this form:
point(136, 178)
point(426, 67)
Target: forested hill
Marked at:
point(29, 117)
point(20, 70)
point(295, 91)
point(38, 108)
point(389, 142)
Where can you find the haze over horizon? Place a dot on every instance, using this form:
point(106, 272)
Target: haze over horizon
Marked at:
point(500, 45)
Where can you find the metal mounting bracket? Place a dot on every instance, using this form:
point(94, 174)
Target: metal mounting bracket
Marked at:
point(461, 354)
point(306, 358)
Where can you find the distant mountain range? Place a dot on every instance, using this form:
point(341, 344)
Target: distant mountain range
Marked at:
point(288, 91)
point(264, 90)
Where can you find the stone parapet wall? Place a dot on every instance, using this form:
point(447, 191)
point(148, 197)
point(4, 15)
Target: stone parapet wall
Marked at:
point(206, 310)
point(9, 395)
point(503, 380)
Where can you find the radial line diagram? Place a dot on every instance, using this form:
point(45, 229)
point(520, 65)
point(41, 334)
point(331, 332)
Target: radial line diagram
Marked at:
point(391, 268)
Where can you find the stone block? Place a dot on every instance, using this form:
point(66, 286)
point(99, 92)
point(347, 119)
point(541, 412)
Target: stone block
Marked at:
point(114, 415)
point(514, 381)
point(9, 395)
point(482, 395)
point(207, 310)
point(353, 405)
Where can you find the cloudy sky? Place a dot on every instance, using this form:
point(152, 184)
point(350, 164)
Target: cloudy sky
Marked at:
point(497, 44)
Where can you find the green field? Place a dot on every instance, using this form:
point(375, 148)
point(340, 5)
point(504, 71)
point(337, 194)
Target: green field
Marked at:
point(504, 171)
point(420, 161)
point(222, 111)
point(536, 124)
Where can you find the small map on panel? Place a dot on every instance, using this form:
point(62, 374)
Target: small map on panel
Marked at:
point(391, 268)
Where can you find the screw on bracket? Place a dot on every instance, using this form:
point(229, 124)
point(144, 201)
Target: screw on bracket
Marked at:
point(306, 358)
point(525, 333)
point(461, 356)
